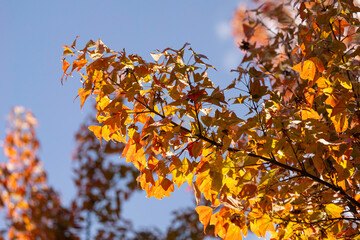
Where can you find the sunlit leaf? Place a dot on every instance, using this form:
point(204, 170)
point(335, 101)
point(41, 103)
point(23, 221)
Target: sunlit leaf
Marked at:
point(205, 213)
point(307, 69)
point(309, 114)
point(333, 210)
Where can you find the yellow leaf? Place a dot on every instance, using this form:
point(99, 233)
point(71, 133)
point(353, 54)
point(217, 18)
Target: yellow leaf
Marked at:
point(105, 132)
point(102, 102)
point(152, 162)
point(306, 69)
point(67, 51)
point(118, 137)
point(345, 82)
point(266, 225)
point(340, 122)
point(333, 210)
point(262, 225)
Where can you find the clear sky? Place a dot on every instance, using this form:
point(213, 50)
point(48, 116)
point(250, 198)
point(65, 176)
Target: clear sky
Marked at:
point(32, 33)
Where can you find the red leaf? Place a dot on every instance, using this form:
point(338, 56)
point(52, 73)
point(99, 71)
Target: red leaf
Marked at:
point(195, 149)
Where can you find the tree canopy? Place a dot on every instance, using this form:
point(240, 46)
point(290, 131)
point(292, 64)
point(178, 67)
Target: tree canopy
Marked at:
point(289, 165)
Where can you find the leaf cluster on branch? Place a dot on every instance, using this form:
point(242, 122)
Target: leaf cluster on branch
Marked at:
point(290, 167)
point(34, 210)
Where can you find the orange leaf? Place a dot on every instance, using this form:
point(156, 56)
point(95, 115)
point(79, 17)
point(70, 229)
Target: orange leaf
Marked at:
point(318, 63)
point(309, 113)
point(83, 95)
point(306, 69)
point(65, 67)
point(248, 191)
point(80, 64)
point(166, 184)
point(322, 82)
point(134, 153)
point(339, 25)
point(233, 233)
point(331, 100)
point(163, 188)
point(96, 130)
point(146, 177)
point(288, 206)
point(152, 162)
point(309, 96)
point(205, 213)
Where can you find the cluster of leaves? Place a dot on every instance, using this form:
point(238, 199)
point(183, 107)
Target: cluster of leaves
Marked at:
point(104, 184)
point(291, 168)
point(309, 122)
point(34, 210)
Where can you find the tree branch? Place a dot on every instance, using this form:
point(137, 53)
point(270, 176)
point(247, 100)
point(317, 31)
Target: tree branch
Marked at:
point(270, 160)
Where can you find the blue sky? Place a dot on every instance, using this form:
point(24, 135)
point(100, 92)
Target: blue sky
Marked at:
point(32, 35)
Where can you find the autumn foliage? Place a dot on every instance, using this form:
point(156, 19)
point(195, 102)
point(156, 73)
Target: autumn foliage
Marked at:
point(33, 209)
point(289, 166)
